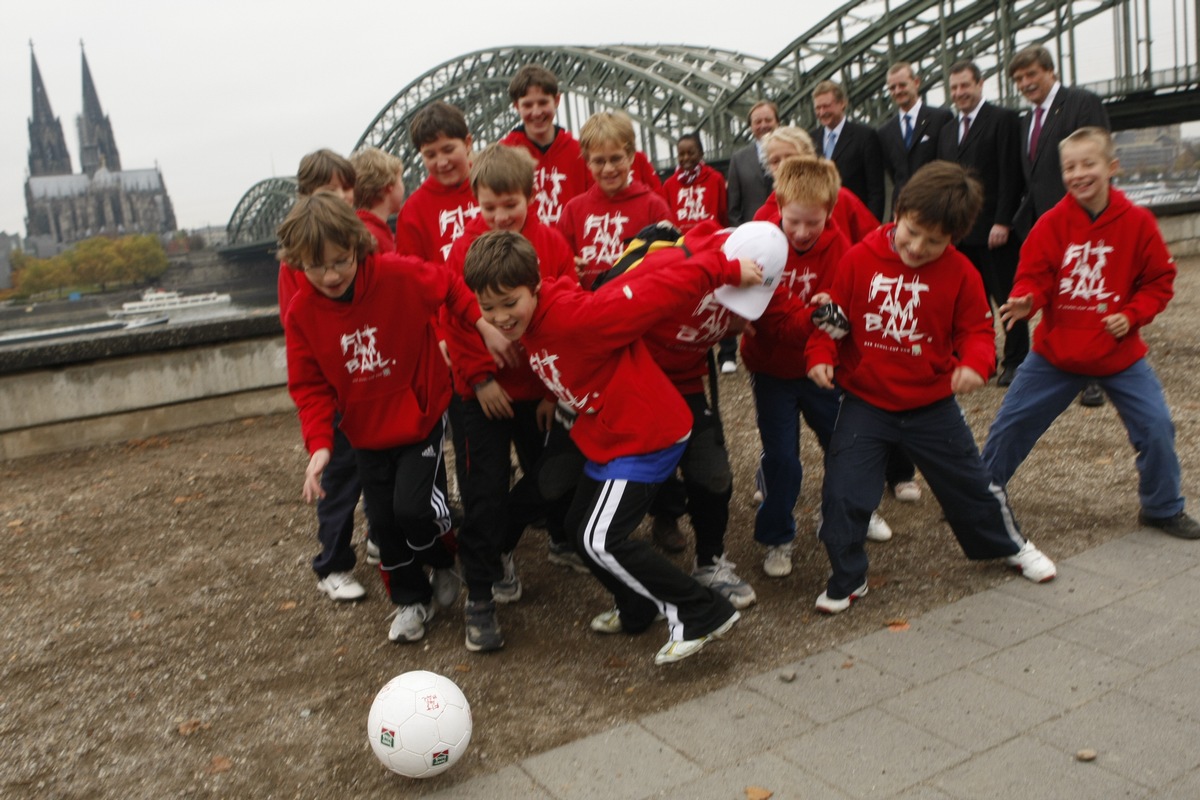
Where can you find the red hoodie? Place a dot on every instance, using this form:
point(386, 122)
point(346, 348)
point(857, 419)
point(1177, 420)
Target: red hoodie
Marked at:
point(432, 218)
point(587, 348)
point(379, 229)
point(470, 359)
point(596, 226)
point(1079, 271)
point(909, 328)
point(701, 200)
point(680, 342)
point(561, 172)
point(374, 359)
point(852, 216)
point(780, 335)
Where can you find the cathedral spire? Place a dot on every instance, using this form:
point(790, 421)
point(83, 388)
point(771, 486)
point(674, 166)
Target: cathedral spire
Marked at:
point(97, 147)
point(48, 153)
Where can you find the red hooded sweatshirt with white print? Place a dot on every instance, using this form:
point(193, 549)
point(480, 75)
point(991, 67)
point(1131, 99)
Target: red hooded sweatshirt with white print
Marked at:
point(1081, 270)
point(910, 328)
point(375, 359)
point(597, 226)
point(432, 218)
point(561, 172)
point(587, 348)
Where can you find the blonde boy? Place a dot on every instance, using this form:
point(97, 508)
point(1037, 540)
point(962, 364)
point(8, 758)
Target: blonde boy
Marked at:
point(597, 222)
point(1096, 266)
point(378, 192)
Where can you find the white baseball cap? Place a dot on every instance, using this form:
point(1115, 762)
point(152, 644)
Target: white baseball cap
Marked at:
point(765, 245)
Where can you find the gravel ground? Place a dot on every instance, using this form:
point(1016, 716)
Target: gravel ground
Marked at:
point(163, 636)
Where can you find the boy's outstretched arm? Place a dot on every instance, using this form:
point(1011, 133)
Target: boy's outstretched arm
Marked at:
point(1016, 309)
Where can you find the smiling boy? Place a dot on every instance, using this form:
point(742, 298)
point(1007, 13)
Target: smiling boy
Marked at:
point(920, 333)
point(1096, 266)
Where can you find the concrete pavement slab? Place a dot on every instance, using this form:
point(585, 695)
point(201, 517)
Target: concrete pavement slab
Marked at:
point(768, 771)
point(1128, 631)
point(1076, 590)
point(1176, 598)
point(1141, 558)
point(872, 754)
point(510, 782)
point(919, 654)
point(827, 686)
point(1147, 745)
point(1173, 687)
point(998, 618)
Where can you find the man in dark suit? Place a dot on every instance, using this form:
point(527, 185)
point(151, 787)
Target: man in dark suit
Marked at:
point(910, 139)
point(852, 146)
point(1057, 112)
point(986, 140)
point(748, 185)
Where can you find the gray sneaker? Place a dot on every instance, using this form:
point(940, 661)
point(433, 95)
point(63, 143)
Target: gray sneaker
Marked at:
point(564, 555)
point(507, 589)
point(483, 631)
point(408, 622)
point(721, 578)
point(446, 584)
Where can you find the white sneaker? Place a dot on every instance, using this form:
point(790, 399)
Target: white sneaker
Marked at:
point(907, 491)
point(728, 367)
point(827, 606)
point(877, 529)
point(758, 497)
point(607, 622)
point(778, 562)
point(408, 623)
point(342, 587)
point(677, 651)
point(720, 577)
point(446, 584)
point(1032, 564)
point(372, 553)
point(508, 588)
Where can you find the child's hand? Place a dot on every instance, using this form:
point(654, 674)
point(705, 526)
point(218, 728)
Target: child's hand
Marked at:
point(504, 352)
point(822, 375)
point(1017, 308)
point(580, 266)
point(445, 352)
point(820, 299)
point(965, 380)
point(751, 273)
point(1117, 324)
point(545, 414)
point(312, 475)
point(495, 401)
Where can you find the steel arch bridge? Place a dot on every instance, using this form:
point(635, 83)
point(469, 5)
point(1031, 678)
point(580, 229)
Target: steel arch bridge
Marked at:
point(1149, 74)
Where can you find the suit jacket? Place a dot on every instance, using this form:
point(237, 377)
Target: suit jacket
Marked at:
point(748, 184)
point(902, 162)
point(859, 160)
point(1072, 110)
point(992, 152)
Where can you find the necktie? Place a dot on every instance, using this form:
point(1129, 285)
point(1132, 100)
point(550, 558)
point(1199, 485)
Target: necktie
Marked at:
point(908, 131)
point(966, 128)
point(1037, 131)
point(830, 141)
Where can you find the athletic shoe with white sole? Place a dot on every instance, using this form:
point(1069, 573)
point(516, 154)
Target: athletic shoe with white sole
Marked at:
point(907, 491)
point(607, 622)
point(483, 629)
point(408, 622)
point(877, 529)
point(827, 605)
point(677, 651)
point(342, 587)
point(508, 588)
point(446, 584)
point(1032, 564)
point(720, 577)
point(778, 562)
point(372, 553)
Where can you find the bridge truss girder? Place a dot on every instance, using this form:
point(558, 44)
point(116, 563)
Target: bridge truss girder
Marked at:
point(260, 211)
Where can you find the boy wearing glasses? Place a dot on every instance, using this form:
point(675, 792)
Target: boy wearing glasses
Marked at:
point(617, 206)
point(361, 344)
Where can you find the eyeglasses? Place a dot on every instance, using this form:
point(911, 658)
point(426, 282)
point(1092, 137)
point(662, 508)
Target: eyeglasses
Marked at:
point(338, 266)
point(598, 162)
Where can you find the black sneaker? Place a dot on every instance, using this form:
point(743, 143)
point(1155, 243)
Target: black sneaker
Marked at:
point(483, 631)
point(1092, 396)
point(1181, 526)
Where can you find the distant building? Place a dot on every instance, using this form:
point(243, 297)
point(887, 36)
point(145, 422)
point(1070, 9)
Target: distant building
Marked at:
point(1149, 149)
point(8, 243)
point(64, 208)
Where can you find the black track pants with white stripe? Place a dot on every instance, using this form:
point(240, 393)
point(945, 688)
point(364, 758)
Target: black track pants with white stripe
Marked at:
point(642, 582)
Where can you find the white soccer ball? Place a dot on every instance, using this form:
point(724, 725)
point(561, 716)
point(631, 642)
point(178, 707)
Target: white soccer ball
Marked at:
point(420, 724)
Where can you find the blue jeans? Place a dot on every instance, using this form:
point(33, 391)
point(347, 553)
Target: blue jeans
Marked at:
point(1041, 392)
point(779, 403)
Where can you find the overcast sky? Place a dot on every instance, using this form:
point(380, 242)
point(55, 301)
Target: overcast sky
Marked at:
point(223, 94)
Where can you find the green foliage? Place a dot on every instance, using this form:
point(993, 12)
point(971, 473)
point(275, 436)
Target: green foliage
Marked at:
point(93, 262)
